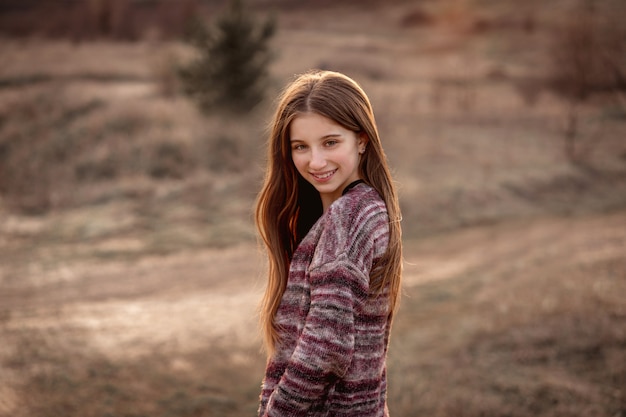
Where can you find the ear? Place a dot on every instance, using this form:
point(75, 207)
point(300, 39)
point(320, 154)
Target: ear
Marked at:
point(362, 141)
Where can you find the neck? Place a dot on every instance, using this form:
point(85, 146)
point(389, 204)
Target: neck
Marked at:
point(328, 200)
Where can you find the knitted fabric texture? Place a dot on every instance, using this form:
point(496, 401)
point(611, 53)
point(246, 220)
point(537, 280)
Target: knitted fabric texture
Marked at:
point(334, 333)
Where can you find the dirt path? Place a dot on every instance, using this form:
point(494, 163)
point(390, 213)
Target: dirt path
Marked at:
point(516, 245)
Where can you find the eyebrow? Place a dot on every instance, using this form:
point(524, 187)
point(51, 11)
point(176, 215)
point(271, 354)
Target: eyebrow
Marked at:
point(330, 135)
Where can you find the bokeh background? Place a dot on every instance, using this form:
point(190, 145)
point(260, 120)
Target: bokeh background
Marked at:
point(130, 272)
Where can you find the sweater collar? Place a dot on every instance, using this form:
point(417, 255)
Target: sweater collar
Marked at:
point(351, 186)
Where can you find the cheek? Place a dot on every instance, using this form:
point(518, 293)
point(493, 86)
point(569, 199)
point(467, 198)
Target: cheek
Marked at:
point(350, 157)
point(298, 161)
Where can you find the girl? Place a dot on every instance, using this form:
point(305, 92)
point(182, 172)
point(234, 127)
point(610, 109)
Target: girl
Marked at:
point(329, 217)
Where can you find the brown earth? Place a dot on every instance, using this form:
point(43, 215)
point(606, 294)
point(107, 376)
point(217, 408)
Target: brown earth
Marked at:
point(130, 278)
point(495, 303)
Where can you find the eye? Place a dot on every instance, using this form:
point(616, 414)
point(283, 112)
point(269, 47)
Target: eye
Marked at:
point(331, 142)
point(298, 147)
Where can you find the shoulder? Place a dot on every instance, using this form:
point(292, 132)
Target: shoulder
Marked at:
point(355, 228)
point(358, 208)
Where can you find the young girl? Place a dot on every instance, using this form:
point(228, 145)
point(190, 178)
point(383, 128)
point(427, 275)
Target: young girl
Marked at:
point(328, 214)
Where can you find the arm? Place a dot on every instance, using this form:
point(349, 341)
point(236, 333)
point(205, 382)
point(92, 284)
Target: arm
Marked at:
point(326, 345)
point(339, 282)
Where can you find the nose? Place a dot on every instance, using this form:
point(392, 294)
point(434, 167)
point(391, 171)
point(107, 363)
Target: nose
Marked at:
point(318, 160)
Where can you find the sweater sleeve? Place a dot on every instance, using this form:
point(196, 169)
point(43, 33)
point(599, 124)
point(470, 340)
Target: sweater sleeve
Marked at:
point(339, 281)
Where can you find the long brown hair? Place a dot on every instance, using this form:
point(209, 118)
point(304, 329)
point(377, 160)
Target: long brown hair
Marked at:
point(288, 205)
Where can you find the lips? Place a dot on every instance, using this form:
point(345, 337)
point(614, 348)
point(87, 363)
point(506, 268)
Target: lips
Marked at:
point(323, 176)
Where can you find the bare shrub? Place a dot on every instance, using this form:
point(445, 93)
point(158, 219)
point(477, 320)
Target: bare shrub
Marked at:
point(37, 146)
point(89, 19)
point(110, 18)
point(575, 63)
point(587, 57)
point(174, 18)
point(170, 160)
point(96, 168)
point(372, 69)
point(415, 18)
point(225, 155)
point(529, 88)
point(165, 73)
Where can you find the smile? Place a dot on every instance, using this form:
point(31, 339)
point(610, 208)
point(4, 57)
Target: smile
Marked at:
point(323, 175)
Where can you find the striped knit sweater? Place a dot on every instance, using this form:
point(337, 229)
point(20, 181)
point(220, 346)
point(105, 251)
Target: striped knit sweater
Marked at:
point(330, 360)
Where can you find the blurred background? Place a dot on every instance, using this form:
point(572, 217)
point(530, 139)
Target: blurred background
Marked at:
point(132, 138)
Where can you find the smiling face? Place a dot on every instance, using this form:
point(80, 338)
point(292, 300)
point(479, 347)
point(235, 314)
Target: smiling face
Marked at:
point(326, 154)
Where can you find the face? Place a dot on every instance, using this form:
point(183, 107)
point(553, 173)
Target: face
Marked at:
point(326, 154)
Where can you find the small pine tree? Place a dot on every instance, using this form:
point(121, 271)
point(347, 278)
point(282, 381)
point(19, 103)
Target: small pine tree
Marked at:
point(230, 74)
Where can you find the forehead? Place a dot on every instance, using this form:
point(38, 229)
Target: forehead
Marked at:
point(313, 126)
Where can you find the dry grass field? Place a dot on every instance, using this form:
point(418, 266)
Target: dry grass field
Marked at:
point(129, 268)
